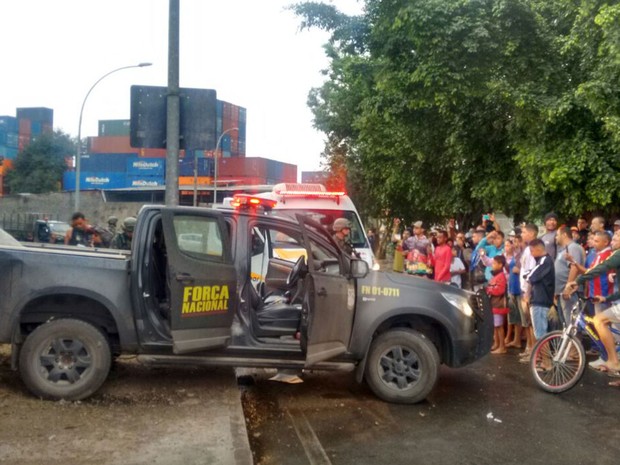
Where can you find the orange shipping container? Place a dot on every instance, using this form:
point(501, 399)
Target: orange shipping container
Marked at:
point(189, 180)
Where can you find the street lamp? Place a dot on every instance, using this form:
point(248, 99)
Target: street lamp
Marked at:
point(217, 147)
point(79, 136)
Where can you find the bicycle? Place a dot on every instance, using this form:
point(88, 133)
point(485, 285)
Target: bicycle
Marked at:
point(558, 360)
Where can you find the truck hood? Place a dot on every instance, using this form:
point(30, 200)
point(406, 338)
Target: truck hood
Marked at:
point(402, 280)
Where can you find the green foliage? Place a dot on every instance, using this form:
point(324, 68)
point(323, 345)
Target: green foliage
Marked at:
point(442, 108)
point(39, 167)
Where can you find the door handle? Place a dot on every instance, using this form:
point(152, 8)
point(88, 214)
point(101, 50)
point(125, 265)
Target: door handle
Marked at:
point(184, 277)
point(321, 292)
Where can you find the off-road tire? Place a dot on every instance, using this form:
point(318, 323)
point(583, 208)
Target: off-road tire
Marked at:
point(402, 366)
point(65, 359)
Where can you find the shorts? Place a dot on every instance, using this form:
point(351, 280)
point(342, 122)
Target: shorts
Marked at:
point(514, 304)
point(498, 320)
point(613, 313)
point(540, 320)
point(526, 318)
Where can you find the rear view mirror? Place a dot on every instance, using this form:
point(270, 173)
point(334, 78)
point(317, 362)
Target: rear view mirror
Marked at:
point(359, 268)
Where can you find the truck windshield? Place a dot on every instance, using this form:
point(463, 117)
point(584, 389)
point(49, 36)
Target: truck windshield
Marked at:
point(327, 218)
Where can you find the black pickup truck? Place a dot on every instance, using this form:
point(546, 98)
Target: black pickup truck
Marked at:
point(229, 288)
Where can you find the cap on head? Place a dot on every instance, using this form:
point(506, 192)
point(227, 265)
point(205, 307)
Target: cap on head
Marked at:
point(418, 224)
point(129, 224)
point(617, 223)
point(548, 216)
point(340, 224)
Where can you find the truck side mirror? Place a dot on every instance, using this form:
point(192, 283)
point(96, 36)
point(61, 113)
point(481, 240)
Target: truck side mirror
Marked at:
point(359, 268)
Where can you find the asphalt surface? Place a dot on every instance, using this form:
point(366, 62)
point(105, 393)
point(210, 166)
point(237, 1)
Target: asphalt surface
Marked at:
point(490, 412)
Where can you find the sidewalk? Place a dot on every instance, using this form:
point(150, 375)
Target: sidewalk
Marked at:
point(142, 415)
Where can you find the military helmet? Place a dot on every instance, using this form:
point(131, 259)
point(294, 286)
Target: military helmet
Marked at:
point(113, 220)
point(340, 224)
point(129, 224)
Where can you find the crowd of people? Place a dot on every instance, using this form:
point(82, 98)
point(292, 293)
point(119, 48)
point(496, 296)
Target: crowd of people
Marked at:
point(529, 274)
point(83, 234)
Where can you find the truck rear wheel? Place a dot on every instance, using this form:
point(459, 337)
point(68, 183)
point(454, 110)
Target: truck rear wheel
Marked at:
point(403, 366)
point(65, 359)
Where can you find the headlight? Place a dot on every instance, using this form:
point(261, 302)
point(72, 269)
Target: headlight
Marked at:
point(459, 302)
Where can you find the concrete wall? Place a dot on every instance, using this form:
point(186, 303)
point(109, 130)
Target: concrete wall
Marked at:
point(59, 206)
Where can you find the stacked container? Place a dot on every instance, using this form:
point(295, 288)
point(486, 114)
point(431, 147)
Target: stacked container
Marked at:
point(9, 137)
point(256, 170)
point(32, 123)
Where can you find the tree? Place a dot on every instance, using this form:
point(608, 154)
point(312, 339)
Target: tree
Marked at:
point(39, 167)
point(444, 108)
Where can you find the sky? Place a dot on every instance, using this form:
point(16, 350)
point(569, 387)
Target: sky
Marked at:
point(250, 51)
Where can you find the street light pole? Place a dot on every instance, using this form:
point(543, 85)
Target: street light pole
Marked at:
point(78, 155)
point(217, 146)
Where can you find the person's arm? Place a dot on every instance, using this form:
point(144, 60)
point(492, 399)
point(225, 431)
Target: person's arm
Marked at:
point(612, 263)
point(540, 271)
point(68, 235)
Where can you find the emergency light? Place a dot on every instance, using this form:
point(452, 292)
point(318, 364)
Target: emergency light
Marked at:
point(249, 201)
point(306, 191)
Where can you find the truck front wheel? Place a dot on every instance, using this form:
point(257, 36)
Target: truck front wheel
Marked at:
point(403, 366)
point(65, 359)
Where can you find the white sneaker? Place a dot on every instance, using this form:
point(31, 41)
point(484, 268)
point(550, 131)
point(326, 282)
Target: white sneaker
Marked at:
point(596, 363)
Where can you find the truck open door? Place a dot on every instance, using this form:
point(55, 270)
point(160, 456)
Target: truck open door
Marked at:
point(328, 307)
point(202, 279)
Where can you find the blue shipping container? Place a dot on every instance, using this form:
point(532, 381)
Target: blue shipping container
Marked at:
point(146, 166)
point(109, 162)
point(12, 139)
point(90, 181)
point(9, 124)
point(145, 181)
point(205, 167)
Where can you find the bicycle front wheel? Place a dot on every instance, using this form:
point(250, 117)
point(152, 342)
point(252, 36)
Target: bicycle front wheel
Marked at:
point(558, 362)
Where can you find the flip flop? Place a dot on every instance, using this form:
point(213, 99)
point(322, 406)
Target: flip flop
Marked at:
point(613, 373)
point(614, 383)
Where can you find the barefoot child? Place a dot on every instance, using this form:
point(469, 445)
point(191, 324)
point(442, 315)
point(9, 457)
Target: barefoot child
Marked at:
point(496, 290)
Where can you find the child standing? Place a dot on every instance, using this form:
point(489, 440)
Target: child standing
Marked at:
point(457, 268)
point(496, 290)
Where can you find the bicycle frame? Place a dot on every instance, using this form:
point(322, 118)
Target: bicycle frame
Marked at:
point(582, 324)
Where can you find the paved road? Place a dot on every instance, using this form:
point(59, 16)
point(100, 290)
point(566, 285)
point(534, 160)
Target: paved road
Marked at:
point(488, 413)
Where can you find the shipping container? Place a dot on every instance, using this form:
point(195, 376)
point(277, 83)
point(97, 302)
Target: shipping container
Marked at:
point(90, 181)
point(12, 140)
point(114, 127)
point(205, 167)
point(112, 162)
point(200, 181)
point(146, 166)
point(35, 128)
point(110, 144)
point(25, 127)
point(144, 181)
point(6, 165)
point(9, 124)
point(152, 153)
point(11, 153)
point(38, 114)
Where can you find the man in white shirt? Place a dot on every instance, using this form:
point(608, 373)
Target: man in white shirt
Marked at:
point(526, 265)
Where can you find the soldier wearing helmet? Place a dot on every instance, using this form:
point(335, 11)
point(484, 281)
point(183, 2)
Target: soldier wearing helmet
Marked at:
point(122, 239)
point(342, 231)
point(112, 222)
